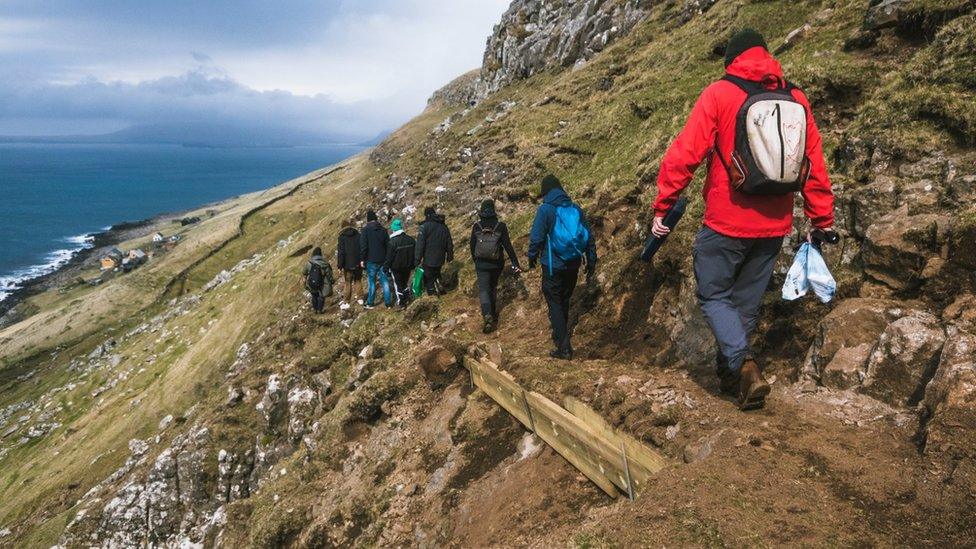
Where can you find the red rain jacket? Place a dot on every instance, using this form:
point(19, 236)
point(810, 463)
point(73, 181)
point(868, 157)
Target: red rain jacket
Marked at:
point(730, 212)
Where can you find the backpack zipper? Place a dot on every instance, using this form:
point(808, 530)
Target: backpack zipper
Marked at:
point(782, 142)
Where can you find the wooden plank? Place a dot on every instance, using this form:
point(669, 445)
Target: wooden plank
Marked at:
point(504, 390)
point(643, 462)
point(614, 461)
point(571, 451)
point(501, 387)
point(555, 421)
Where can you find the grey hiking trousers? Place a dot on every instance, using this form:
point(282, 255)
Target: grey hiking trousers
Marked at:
point(732, 275)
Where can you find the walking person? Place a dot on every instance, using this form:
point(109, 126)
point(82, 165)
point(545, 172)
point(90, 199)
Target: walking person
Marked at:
point(561, 240)
point(490, 242)
point(435, 246)
point(318, 280)
point(763, 145)
point(372, 252)
point(348, 262)
point(399, 262)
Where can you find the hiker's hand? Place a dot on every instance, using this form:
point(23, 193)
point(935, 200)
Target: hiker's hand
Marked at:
point(659, 229)
point(812, 230)
point(516, 269)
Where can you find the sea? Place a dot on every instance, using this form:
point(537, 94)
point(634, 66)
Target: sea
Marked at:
point(54, 197)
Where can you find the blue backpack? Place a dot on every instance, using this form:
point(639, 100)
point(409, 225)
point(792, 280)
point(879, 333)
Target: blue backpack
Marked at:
point(568, 237)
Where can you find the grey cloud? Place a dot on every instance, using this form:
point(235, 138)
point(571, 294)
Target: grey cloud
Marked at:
point(200, 96)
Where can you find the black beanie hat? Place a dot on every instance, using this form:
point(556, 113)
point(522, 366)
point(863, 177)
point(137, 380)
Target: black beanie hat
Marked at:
point(741, 41)
point(429, 211)
point(317, 251)
point(370, 215)
point(487, 208)
point(549, 183)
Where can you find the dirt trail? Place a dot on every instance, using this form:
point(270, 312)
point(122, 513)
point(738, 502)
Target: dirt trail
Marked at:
point(815, 468)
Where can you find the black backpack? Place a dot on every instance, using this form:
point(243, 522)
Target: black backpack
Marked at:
point(488, 244)
point(317, 280)
point(770, 141)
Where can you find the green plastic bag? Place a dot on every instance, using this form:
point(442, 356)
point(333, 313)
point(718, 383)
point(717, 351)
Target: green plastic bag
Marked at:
point(418, 282)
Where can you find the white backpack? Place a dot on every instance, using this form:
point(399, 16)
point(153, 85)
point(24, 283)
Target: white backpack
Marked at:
point(770, 141)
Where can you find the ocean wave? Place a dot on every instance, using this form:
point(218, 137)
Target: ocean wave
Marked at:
point(52, 262)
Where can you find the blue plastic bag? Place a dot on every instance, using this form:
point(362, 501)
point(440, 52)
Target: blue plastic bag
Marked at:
point(809, 271)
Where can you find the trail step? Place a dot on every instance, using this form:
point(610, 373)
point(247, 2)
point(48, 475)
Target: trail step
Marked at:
point(616, 462)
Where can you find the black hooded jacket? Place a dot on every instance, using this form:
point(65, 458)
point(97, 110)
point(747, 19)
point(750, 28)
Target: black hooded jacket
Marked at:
point(372, 243)
point(434, 243)
point(347, 252)
point(492, 222)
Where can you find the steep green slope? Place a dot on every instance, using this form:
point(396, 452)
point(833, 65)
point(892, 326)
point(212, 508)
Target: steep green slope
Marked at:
point(292, 429)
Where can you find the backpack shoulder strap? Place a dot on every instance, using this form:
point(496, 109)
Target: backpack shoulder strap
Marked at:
point(748, 86)
point(752, 88)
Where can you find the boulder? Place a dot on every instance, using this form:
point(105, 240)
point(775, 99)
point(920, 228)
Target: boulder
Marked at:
point(438, 363)
point(950, 399)
point(845, 338)
point(883, 14)
point(898, 246)
point(846, 368)
point(904, 359)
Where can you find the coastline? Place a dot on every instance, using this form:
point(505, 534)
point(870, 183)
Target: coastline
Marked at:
point(86, 257)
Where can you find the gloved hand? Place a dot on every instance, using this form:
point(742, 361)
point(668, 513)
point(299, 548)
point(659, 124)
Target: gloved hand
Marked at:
point(516, 269)
point(531, 263)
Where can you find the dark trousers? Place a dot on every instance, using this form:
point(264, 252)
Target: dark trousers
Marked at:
point(558, 288)
point(732, 275)
point(318, 302)
point(432, 280)
point(401, 286)
point(488, 292)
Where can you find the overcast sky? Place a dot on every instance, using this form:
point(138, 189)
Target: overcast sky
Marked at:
point(93, 66)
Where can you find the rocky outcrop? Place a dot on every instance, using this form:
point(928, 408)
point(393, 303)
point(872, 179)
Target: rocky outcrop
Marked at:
point(950, 398)
point(535, 35)
point(883, 348)
point(904, 359)
point(846, 338)
point(898, 248)
point(461, 91)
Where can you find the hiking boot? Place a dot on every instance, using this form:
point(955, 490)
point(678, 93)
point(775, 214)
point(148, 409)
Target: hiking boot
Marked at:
point(561, 355)
point(753, 387)
point(728, 382)
point(489, 325)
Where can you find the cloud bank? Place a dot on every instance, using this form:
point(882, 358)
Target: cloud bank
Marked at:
point(348, 68)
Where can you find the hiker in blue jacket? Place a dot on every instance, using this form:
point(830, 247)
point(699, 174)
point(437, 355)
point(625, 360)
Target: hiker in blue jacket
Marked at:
point(560, 239)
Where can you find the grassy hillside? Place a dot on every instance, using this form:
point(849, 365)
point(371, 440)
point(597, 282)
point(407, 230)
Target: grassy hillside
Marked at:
point(300, 430)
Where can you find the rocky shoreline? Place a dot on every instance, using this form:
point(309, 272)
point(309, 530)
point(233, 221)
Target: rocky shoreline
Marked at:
point(86, 258)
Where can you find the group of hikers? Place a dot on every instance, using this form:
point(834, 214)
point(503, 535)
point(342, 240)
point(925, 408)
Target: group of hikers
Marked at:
point(758, 134)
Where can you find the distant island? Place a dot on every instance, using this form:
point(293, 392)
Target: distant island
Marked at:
point(206, 136)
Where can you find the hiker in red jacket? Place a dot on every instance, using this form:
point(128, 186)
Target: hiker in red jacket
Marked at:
point(762, 143)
